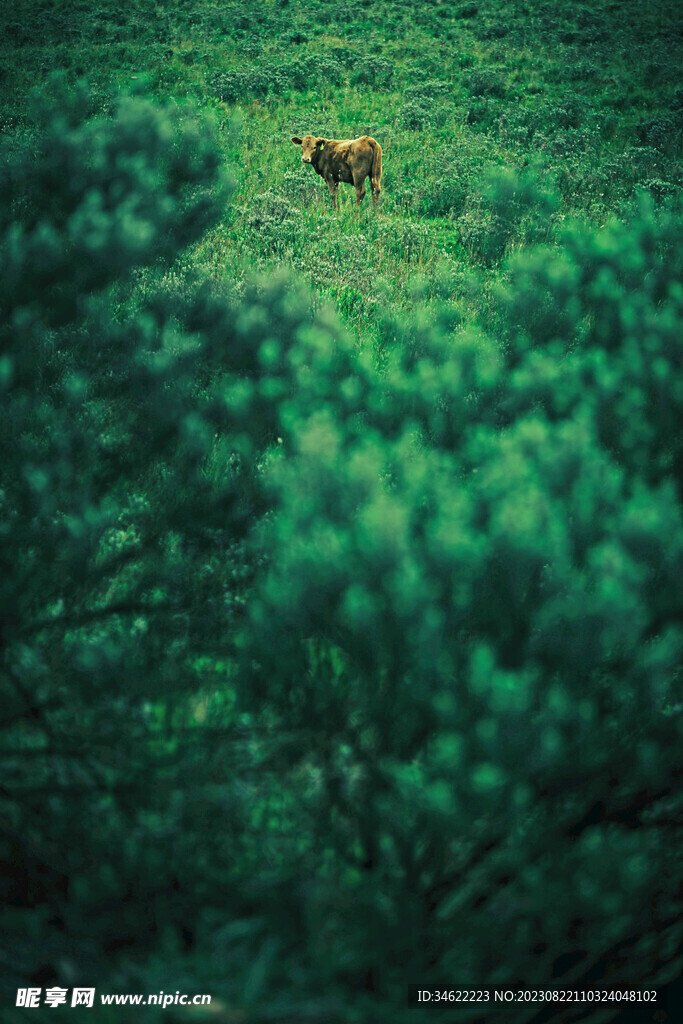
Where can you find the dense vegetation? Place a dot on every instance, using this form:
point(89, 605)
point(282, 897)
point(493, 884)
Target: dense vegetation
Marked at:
point(340, 605)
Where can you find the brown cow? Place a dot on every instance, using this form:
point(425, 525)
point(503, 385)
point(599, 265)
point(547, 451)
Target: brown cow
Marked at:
point(352, 161)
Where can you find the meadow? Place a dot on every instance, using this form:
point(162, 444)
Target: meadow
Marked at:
point(580, 102)
point(341, 549)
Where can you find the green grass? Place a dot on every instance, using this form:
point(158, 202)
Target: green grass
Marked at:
point(588, 94)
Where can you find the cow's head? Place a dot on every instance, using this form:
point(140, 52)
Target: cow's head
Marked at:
point(310, 147)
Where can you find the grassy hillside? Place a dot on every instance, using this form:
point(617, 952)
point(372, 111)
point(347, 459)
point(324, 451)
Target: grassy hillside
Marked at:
point(584, 97)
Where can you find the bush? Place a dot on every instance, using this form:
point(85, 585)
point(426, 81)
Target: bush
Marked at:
point(426, 92)
point(301, 187)
point(510, 207)
point(271, 77)
point(485, 83)
point(275, 221)
point(415, 115)
point(491, 30)
point(660, 189)
point(661, 131)
point(375, 71)
point(483, 624)
point(271, 208)
point(483, 114)
point(102, 485)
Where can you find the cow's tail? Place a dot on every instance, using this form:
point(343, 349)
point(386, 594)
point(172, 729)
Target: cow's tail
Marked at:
point(376, 169)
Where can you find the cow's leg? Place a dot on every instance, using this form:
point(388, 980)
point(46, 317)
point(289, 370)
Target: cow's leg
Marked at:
point(333, 186)
point(374, 185)
point(360, 188)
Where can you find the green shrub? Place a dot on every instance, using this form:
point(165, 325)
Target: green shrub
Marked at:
point(416, 115)
point(510, 207)
point(271, 77)
point(661, 131)
point(300, 186)
point(375, 71)
point(426, 92)
point(483, 114)
point(104, 441)
point(485, 83)
point(483, 625)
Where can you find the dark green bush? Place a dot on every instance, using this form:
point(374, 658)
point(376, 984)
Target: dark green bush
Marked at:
point(105, 442)
point(491, 629)
point(272, 77)
point(485, 83)
point(491, 30)
point(427, 92)
point(510, 207)
point(661, 131)
point(375, 71)
point(416, 115)
point(660, 189)
point(483, 113)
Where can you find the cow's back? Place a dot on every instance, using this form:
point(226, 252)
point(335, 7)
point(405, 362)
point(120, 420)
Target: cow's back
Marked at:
point(359, 153)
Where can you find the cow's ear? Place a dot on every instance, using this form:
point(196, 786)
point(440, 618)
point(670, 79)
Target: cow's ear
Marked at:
point(296, 141)
point(321, 143)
